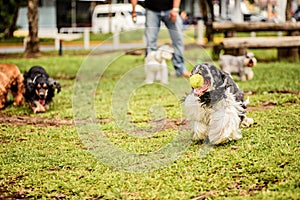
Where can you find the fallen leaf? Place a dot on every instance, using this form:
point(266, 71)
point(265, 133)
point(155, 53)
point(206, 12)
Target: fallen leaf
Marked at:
point(268, 103)
point(60, 196)
point(80, 177)
point(205, 194)
point(234, 185)
point(243, 192)
point(234, 147)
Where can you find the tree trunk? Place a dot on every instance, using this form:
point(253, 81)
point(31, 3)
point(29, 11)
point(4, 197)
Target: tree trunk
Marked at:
point(32, 44)
point(288, 15)
point(15, 18)
point(209, 24)
point(207, 7)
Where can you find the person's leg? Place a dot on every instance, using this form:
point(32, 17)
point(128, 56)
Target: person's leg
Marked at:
point(175, 30)
point(152, 29)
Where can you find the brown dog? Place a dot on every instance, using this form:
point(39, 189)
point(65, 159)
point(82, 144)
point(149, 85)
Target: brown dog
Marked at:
point(11, 80)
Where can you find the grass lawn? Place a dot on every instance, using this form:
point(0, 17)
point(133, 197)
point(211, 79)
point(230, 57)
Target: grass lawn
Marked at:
point(49, 156)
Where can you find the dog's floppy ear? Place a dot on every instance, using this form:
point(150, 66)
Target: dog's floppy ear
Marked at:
point(225, 76)
point(29, 84)
point(54, 84)
point(57, 86)
point(25, 76)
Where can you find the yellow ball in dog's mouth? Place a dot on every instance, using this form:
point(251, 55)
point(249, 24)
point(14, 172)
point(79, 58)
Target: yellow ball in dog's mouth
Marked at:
point(196, 81)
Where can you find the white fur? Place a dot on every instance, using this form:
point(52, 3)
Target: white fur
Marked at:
point(219, 122)
point(155, 64)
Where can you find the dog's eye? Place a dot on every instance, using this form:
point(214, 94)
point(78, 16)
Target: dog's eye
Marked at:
point(39, 86)
point(44, 85)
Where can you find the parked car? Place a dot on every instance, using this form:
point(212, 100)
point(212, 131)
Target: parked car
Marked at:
point(116, 17)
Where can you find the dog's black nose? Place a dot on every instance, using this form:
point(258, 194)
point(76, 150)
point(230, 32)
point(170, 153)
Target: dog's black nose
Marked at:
point(42, 94)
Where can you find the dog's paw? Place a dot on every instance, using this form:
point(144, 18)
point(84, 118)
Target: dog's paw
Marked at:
point(148, 82)
point(39, 110)
point(36, 107)
point(249, 76)
point(200, 131)
point(34, 110)
point(164, 82)
point(2, 106)
point(46, 107)
point(198, 137)
point(19, 100)
point(247, 122)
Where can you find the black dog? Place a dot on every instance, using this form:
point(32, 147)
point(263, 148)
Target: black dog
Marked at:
point(39, 89)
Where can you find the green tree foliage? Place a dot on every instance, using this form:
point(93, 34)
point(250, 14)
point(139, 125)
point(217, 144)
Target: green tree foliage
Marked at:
point(8, 16)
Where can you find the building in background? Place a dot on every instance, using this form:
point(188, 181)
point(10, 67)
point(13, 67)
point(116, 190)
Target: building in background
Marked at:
point(55, 14)
point(47, 15)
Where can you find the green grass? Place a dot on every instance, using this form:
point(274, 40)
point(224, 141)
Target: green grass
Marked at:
point(43, 161)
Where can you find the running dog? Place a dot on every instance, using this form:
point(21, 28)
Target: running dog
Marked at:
point(216, 106)
point(239, 65)
point(155, 64)
point(11, 80)
point(39, 89)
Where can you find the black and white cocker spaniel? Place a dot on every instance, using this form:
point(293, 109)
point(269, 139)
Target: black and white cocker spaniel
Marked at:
point(216, 105)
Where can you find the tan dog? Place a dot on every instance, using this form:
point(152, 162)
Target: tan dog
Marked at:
point(11, 80)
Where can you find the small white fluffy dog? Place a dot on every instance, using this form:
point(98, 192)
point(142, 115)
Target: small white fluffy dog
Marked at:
point(155, 64)
point(239, 65)
point(216, 107)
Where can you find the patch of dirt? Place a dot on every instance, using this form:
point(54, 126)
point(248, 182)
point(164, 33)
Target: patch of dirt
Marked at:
point(27, 120)
point(135, 52)
point(10, 55)
point(274, 91)
point(268, 104)
point(206, 195)
point(285, 92)
point(40, 121)
point(5, 194)
point(165, 124)
point(264, 106)
point(175, 123)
